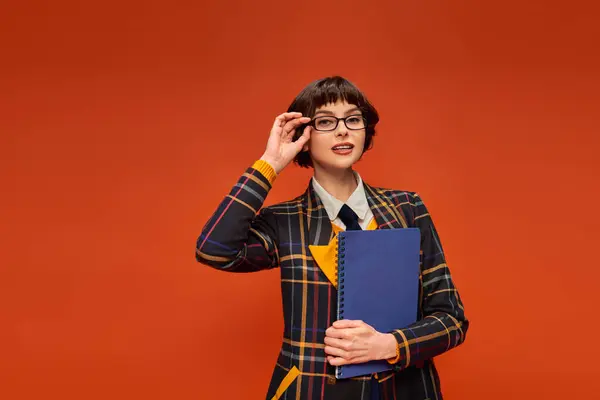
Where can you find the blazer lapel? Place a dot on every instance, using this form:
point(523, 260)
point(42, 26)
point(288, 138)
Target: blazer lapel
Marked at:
point(317, 221)
point(384, 211)
point(320, 235)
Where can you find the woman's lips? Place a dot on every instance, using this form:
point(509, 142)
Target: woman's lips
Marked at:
point(343, 148)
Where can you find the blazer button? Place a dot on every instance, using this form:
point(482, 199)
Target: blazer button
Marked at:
point(331, 380)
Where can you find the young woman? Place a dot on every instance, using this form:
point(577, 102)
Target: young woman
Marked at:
point(328, 127)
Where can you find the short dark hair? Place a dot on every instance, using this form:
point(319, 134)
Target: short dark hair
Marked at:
point(330, 90)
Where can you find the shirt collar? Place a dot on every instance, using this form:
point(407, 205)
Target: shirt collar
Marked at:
point(357, 200)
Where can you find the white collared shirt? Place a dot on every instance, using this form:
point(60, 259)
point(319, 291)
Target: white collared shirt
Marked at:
point(357, 202)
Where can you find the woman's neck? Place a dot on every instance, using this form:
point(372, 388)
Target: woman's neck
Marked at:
point(340, 184)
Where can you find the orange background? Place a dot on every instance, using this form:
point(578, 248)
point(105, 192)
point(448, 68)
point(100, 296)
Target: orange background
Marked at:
point(123, 124)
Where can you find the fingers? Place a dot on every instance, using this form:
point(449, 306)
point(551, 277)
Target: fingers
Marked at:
point(348, 323)
point(337, 333)
point(291, 125)
point(303, 140)
point(338, 343)
point(283, 118)
point(338, 348)
point(337, 352)
point(337, 361)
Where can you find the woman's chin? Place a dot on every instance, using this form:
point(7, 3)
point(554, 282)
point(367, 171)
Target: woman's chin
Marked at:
point(337, 165)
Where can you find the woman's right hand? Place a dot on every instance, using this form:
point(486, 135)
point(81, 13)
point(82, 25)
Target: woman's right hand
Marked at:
point(281, 150)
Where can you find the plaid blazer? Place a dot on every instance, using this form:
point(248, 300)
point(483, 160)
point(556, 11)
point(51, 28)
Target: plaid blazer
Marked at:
point(242, 236)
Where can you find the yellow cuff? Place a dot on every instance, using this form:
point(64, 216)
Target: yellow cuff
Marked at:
point(397, 358)
point(266, 169)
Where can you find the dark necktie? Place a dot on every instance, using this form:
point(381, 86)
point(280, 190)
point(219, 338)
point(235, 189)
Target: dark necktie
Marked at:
point(349, 218)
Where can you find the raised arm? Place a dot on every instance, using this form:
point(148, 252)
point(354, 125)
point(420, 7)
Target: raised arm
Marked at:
point(241, 236)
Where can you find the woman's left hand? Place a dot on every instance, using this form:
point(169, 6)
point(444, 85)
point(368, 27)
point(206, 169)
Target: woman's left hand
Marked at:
point(353, 342)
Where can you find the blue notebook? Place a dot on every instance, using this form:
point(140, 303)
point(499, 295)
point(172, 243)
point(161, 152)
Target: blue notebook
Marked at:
point(378, 282)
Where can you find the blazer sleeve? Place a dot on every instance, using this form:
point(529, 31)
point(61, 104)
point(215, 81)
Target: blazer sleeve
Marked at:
point(443, 324)
point(241, 236)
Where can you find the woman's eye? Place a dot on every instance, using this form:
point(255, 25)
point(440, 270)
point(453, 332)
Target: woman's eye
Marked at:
point(324, 122)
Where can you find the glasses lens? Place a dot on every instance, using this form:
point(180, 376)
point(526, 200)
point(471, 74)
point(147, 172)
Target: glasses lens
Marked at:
point(355, 122)
point(325, 123)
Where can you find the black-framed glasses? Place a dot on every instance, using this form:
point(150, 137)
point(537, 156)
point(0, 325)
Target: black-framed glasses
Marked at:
point(330, 123)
